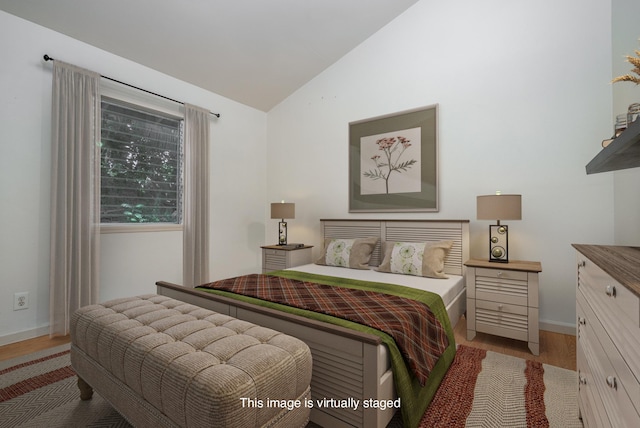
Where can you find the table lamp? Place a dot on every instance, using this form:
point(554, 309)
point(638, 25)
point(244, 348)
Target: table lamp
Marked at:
point(283, 210)
point(499, 207)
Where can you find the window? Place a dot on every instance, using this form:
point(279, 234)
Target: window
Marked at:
point(140, 164)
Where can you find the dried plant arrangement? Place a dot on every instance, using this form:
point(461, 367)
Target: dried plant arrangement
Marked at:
point(635, 61)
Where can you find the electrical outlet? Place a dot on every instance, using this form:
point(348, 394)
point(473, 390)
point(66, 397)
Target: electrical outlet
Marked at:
point(21, 301)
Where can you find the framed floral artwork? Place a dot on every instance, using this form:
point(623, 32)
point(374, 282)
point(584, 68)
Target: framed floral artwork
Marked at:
point(393, 162)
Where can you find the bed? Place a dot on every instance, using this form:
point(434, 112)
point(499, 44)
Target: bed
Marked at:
point(347, 362)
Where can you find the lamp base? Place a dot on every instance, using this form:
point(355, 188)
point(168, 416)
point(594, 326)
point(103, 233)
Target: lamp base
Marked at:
point(499, 243)
point(282, 233)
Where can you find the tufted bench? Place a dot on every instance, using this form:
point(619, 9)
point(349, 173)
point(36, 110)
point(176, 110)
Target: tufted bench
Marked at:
point(163, 362)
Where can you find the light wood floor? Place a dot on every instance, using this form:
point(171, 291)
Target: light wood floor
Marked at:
point(25, 347)
point(555, 349)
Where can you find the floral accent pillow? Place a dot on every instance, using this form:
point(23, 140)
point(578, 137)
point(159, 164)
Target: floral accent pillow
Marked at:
point(349, 253)
point(406, 258)
point(338, 252)
point(411, 258)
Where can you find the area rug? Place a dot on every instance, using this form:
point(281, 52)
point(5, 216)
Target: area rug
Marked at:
point(39, 390)
point(482, 389)
point(487, 389)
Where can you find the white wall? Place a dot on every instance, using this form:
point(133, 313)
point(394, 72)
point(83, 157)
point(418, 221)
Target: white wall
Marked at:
point(626, 35)
point(131, 263)
point(524, 100)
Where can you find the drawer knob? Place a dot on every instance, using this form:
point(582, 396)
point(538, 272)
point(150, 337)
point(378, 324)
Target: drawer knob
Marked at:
point(500, 307)
point(612, 382)
point(611, 290)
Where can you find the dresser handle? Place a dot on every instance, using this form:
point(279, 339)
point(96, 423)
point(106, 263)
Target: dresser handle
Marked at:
point(612, 382)
point(500, 307)
point(500, 274)
point(582, 321)
point(611, 290)
point(581, 263)
point(583, 380)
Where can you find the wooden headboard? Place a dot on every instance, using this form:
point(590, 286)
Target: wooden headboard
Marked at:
point(406, 231)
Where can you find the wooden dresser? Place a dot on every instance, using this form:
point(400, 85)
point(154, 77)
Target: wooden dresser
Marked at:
point(608, 331)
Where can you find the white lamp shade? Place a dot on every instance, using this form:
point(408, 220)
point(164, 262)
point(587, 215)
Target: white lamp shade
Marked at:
point(500, 207)
point(283, 210)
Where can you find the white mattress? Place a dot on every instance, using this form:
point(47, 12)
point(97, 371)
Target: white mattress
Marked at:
point(448, 288)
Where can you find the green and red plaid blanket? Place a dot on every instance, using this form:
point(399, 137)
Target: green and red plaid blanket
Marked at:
point(415, 397)
point(412, 324)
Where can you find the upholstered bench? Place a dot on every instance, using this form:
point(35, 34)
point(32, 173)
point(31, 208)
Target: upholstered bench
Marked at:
point(163, 362)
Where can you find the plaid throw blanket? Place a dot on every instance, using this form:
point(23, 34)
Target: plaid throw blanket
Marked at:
point(415, 329)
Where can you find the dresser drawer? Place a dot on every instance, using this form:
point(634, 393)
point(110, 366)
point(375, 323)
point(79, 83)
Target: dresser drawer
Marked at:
point(502, 319)
point(506, 286)
point(617, 386)
point(592, 409)
point(608, 291)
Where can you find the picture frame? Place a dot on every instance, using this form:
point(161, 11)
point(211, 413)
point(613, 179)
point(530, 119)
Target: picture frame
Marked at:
point(393, 162)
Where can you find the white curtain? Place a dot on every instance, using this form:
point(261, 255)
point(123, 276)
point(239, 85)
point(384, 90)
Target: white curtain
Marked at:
point(75, 193)
point(196, 197)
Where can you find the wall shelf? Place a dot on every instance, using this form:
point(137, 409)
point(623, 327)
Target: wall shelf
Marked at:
point(622, 153)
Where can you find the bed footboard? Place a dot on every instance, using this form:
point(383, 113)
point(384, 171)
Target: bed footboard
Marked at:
point(346, 363)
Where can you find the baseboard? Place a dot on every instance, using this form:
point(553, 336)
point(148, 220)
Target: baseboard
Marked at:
point(557, 327)
point(24, 335)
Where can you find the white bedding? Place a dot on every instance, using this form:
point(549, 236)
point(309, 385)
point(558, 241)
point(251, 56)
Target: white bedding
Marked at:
point(448, 288)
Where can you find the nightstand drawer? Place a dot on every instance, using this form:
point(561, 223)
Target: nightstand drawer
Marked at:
point(271, 267)
point(500, 274)
point(271, 262)
point(502, 286)
point(502, 319)
point(274, 253)
point(275, 257)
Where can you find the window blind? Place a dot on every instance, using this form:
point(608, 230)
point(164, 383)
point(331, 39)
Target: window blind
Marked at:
point(140, 164)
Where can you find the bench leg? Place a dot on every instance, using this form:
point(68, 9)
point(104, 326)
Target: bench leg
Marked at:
point(86, 392)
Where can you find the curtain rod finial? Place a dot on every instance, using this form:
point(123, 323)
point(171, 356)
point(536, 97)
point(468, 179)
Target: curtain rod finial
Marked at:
point(47, 58)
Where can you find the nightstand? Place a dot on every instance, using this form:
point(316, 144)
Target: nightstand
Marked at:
point(274, 257)
point(502, 299)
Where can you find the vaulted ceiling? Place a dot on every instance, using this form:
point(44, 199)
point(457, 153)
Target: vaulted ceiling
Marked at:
point(256, 52)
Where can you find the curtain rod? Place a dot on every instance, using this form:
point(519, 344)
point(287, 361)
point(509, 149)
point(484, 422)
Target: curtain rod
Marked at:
point(48, 58)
